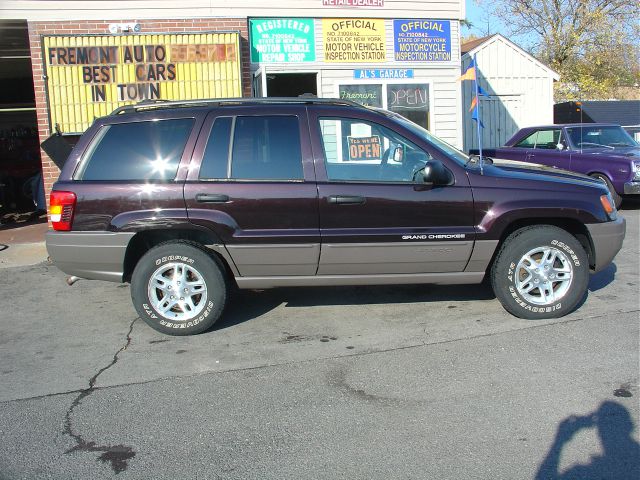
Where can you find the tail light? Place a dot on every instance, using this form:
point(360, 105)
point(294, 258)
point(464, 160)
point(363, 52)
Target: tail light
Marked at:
point(61, 207)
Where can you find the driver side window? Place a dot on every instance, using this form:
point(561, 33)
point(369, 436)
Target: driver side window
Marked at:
point(357, 150)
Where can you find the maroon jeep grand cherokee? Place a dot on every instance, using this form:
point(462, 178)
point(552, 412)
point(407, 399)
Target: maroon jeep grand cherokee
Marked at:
point(186, 200)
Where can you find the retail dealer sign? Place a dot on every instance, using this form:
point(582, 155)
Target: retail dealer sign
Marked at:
point(275, 40)
point(422, 40)
point(353, 3)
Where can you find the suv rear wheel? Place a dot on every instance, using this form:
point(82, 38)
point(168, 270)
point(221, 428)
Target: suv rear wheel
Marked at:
point(540, 272)
point(178, 288)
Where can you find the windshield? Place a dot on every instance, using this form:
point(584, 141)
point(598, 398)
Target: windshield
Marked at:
point(429, 137)
point(598, 136)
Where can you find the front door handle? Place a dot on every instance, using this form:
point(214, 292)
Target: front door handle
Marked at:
point(346, 200)
point(212, 198)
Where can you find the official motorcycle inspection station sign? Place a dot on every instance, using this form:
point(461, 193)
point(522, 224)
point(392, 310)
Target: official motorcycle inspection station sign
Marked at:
point(289, 40)
point(353, 40)
point(89, 76)
point(422, 40)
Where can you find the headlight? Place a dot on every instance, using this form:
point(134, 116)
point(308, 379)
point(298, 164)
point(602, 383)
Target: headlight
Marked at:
point(636, 170)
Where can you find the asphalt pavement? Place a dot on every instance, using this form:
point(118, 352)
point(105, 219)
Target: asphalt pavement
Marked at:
point(356, 383)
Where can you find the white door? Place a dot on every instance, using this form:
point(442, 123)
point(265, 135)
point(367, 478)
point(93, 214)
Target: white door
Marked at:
point(500, 115)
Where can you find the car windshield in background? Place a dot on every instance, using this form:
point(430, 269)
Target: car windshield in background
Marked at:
point(596, 137)
point(450, 151)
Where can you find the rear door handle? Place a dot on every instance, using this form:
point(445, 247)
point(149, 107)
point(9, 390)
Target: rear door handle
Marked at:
point(212, 198)
point(346, 200)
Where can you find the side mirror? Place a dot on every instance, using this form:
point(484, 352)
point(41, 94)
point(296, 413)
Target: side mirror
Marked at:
point(398, 154)
point(560, 146)
point(435, 173)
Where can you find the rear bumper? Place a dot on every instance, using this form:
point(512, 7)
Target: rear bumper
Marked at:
point(632, 188)
point(607, 240)
point(92, 255)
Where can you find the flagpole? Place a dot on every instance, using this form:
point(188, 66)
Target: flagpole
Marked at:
point(475, 61)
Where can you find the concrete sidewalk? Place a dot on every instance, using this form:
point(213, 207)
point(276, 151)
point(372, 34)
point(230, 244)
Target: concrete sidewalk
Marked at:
point(22, 245)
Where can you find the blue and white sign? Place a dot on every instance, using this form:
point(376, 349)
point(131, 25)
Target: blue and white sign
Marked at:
point(422, 40)
point(383, 73)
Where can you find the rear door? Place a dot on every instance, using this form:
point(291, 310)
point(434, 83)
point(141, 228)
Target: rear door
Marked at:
point(251, 182)
point(374, 218)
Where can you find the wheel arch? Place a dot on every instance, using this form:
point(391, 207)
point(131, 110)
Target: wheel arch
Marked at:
point(145, 240)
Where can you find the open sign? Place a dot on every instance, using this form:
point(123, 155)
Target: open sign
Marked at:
point(364, 148)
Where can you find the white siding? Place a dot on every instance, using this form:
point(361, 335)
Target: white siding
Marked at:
point(443, 91)
point(43, 10)
point(520, 89)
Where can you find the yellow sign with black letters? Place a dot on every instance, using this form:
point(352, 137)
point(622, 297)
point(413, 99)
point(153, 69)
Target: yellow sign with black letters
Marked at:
point(353, 40)
point(90, 76)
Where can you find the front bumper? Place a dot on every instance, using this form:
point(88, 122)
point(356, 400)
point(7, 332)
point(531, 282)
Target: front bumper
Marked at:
point(607, 241)
point(632, 188)
point(92, 255)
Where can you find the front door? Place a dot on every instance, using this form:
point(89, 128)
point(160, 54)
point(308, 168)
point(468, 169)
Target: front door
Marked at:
point(547, 150)
point(374, 217)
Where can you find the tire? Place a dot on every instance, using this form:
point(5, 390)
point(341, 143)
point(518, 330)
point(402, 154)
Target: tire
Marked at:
point(556, 288)
point(617, 199)
point(164, 269)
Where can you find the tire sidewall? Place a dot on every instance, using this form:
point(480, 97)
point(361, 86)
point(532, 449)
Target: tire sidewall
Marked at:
point(504, 272)
point(615, 196)
point(206, 265)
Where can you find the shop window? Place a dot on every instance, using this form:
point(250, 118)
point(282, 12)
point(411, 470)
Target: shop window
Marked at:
point(368, 95)
point(137, 151)
point(410, 101)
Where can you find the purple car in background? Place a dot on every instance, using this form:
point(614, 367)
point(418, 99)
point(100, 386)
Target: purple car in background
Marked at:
point(604, 151)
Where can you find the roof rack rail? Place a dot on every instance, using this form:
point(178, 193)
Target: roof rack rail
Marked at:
point(214, 102)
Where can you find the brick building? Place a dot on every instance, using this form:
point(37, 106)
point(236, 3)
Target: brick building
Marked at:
point(400, 55)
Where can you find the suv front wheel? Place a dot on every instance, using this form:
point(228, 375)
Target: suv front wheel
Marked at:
point(540, 272)
point(178, 288)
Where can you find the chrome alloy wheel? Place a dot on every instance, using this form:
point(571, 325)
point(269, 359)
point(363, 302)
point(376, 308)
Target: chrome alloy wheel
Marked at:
point(544, 275)
point(177, 291)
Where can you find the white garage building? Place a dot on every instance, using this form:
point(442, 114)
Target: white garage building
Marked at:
point(519, 91)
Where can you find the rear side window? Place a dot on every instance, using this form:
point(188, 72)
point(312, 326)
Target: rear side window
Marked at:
point(137, 151)
point(262, 148)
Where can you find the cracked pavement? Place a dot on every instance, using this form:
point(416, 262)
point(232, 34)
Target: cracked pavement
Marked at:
point(384, 382)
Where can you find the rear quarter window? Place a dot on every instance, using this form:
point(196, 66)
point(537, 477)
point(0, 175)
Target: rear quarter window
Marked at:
point(139, 151)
